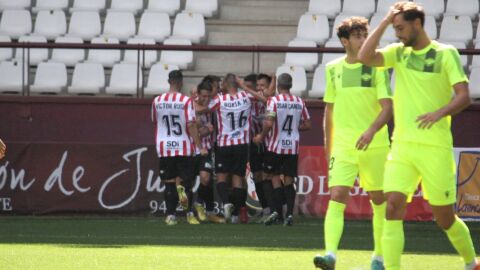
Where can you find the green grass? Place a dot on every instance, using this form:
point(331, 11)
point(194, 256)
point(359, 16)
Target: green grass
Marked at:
point(146, 243)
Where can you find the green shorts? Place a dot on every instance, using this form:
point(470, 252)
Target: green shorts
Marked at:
point(369, 165)
point(434, 167)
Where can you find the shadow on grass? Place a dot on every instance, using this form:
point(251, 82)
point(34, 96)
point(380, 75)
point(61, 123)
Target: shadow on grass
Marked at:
point(118, 232)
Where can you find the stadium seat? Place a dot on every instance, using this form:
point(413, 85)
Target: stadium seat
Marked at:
point(158, 79)
point(88, 78)
point(15, 23)
point(14, 4)
point(50, 23)
point(189, 26)
point(327, 57)
point(207, 8)
point(474, 84)
point(49, 78)
point(456, 28)
point(88, 5)
point(330, 8)
point(430, 26)
point(314, 28)
point(477, 36)
point(465, 7)
point(476, 58)
point(85, 24)
point(337, 22)
point(119, 24)
point(5, 53)
point(318, 83)
point(68, 56)
point(389, 34)
point(11, 76)
point(383, 6)
point(432, 7)
point(132, 6)
point(36, 55)
point(306, 60)
point(299, 78)
point(182, 59)
point(123, 80)
point(154, 25)
point(363, 8)
point(458, 45)
point(105, 57)
point(169, 6)
point(50, 5)
point(131, 56)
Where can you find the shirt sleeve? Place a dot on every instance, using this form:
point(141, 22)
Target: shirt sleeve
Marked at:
point(391, 54)
point(330, 91)
point(305, 114)
point(382, 83)
point(453, 67)
point(271, 108)
point(214, 103)
point(189, 111)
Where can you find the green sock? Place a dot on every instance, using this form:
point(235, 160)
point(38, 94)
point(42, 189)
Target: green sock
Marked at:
point(377, 222)
point(461, 240)
point(333, 226)
point(392, 242)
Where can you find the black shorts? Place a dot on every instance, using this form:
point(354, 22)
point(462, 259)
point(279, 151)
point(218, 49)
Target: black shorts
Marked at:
point(204, 163)
point(173, 167)
point(232, 159)
point(280, 164)
point(256, 157)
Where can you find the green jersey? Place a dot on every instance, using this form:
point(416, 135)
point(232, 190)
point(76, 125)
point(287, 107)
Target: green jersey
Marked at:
point(355, 89)
point(423, 84)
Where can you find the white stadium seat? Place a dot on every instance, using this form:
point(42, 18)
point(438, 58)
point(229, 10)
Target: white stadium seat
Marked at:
point(337, 22)
point(464, 7)
point(318, 83)
point(383, 6)
point(88, 5)
point(207, 8)
point(154, 25)
point(169, 6)
point(36, 55)
point(189, 26)
point(11, 76)
point(119, 24)
point(474, 84)
point(307, 60)
point(16, 23)
point(132, 6)
point(14, 4)
point(105, 57)
point(330, 8)
point(131, 56)
point(458, 45)
point(68, 56)
point(85, 24)
point(158, 79)
point(389, 34)
point(123, 80)
point(88, 78)
point(299, 78)
point(456, 28)
point(363, 8)
point(50, 78)
point(431, 27)
point(327, 57)
point(314, 28)
point(50, 5)
point(432, 7)
point(6, 53)
point(50, 23)
point(182, 59)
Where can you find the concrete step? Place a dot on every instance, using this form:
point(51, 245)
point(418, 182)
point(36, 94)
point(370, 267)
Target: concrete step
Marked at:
point(274, 12)
point(250, 38)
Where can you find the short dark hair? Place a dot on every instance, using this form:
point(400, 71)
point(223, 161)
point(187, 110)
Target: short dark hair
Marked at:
point(205, 85)
point(175, 77)
point(211, 78)
point(410, 11)
point(251, 78)
point(284, 81)
point(351, 25)
point(230, 80)
point(263, 76)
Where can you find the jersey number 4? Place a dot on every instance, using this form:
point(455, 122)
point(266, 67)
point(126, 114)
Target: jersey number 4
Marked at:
point(287, 124)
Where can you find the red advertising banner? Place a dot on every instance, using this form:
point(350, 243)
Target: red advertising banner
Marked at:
point(468, 179)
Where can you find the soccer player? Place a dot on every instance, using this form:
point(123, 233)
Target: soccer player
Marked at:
point(426, 73)
point(358, 106)
point(3, 149)
point(286, 115)
point(233, 111)
point(174, 117)
point(204, 164)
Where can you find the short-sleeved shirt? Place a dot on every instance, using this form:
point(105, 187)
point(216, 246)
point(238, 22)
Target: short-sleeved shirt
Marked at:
point(423, 84)
point(355, 89)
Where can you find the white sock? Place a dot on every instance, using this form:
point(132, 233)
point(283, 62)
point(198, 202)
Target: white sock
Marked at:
point(332, 255)
point(377, 258)
point(471, 265)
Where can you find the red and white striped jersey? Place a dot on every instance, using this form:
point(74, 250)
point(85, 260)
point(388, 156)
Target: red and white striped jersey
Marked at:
point(207, 141)
point(258, 111)
point(233, 118)
point(289, 111)
point(171, 112)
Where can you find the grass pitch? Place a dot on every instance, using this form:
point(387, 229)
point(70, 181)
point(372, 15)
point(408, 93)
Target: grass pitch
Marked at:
point(146, 243)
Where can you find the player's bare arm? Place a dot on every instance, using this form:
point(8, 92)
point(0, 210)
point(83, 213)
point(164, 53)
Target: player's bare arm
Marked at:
point(267, 126)
point(272, 87)
point(252, 92)
point(193, 130)
point(457, 104)
point(328, 129)
point(305, 125)
point(382, 119)
point(3, 149)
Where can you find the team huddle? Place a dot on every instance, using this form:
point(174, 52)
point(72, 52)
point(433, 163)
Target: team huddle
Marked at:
point(238, 122)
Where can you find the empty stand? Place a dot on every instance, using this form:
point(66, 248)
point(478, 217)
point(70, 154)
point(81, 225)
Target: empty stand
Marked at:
point(207, 8)
point(474, 84)
point(314, 28)
point(456, 28)
point(88, 5)
point(15, 23)
point(50, 5)
point(154, 25)
point(50, 78)
point(363, 8)
point(158, 79)
point(465, 7)
point(171, 7)
point(432, 7)
point(306, 60)
point(327, 57)
point(11, 76)
point(50, 23)
point(319, 83)
point(68, 56)
point(133, 6)
point(299, 78)
point(6, 53)
point(330, 8)
point(85, 24)
point(119, 24)
point(189, 26)
point(182, 59)
point(123, 80)
point(36, 55)
point(105, 57)
point(88, 78)
point(131, 56)
point(14, 4)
